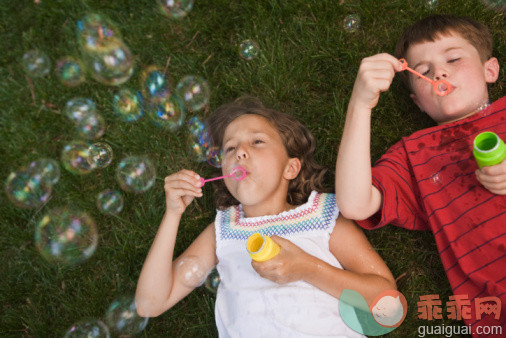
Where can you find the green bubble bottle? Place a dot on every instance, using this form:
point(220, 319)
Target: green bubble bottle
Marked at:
point(488, 149)
point(261, 248)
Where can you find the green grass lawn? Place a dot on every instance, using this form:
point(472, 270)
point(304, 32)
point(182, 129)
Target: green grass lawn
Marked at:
point(306, 68)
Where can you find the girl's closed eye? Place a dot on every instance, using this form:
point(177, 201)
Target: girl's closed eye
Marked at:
point(453, 60)
point(258, 141)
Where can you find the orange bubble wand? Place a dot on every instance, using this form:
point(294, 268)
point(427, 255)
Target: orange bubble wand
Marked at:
point(441, 87)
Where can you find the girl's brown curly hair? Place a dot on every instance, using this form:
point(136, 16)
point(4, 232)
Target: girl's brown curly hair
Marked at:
point(297, 139)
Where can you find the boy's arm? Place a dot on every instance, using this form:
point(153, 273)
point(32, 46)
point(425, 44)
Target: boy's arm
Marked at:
point(356, 197)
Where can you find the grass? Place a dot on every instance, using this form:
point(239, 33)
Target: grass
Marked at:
point(306, 68)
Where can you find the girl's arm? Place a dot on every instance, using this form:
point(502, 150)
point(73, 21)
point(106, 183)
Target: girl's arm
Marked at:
point(365, 271)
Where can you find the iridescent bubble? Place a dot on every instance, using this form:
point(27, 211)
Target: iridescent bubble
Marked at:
point(112, 64)
point(248, 49)
point(212, 280)
point(498, 5)
point(70, 71)
point(90, 328)
point(127, 105)
point(36, 63)
point(100, 154)
point(110, 202)
point(66, 236)
point(191, 271)
point(175, 9)
point(136, 174)
point(195, 126)
point(351, 23)
point(194, 92)
point(431, 4)
point(27, 190)
point(91, 126)
point(155, 84)
point(47, 168)
point(122, 317)
point(79, 107)
point(168, 113)
point(198, 146)
point(95, 30)
point(214, 156)
point(75, 157)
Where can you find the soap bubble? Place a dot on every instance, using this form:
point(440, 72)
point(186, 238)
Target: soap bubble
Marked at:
point(431, 4)
point(175, 9)
point(136, 174)
point(155, 84)
point(95, 30)
point(168, 113)
point(66, 236)
point(91, 126)
point(70, 71)
point(212, 280)
point(194, 92)
point(110, 202)
point(127, 105)
point(122, 317)
point(48, 169)
point(214, 156)
point(351, 23)
point(195, 126)
point(79, 107)
point(27, 190)
point(36, 63)
point(75, 157)
point(100, 154)
point(90, 328)
point(112, 64)
point(499, 5)
point(198, 146)
point(191, 271)
point(248, 49)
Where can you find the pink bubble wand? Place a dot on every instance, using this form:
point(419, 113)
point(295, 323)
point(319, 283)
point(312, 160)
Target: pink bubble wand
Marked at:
point(238, 173)
point(441, 87)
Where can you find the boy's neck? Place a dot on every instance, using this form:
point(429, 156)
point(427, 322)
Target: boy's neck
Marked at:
point(477, 110)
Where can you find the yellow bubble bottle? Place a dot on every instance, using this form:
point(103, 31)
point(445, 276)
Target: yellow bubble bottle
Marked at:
point(261, 248)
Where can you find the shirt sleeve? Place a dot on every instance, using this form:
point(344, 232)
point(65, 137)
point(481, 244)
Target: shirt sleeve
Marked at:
point(401, 205)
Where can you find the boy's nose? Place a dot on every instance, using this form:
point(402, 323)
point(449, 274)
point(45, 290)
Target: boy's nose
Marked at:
point(440, 74)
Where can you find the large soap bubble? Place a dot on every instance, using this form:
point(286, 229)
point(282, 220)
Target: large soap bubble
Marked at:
point(88, 328)
point(194, 92)
point(127, 105)
point(36, 63)
point(168, 113)
point(66, 236)
point(136, 174)
point(122, 317)
point(175, 9)
point(47, 168)
point(27, 189)
point(75, 157)
point(191, 271)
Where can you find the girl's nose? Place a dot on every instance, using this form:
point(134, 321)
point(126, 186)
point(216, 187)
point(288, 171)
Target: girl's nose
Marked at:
point(241, 153)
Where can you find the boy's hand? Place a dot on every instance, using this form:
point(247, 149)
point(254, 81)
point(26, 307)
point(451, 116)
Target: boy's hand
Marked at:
point(180, 190)
point(493, 178)
point(374, 76)
point(287, 266)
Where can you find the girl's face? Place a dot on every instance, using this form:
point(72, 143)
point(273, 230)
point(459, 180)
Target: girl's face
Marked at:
point(251, 142)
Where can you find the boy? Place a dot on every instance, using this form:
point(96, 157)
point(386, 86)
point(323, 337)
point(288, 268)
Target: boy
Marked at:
point(429, 180)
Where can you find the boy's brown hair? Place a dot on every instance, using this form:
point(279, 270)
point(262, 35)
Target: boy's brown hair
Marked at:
point(297, 139)
point(435, 26)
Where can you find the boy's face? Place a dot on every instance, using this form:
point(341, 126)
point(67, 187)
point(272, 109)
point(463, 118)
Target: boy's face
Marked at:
point(454, 59)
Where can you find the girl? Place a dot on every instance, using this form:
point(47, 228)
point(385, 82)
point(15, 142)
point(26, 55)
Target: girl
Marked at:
point(296, 293)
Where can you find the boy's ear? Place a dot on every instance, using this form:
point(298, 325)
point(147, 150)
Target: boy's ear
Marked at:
point(292, 168)
point(491, 70)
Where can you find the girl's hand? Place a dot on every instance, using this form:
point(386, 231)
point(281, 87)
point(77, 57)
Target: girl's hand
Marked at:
point(493, 178)
point(287, 266)
point(374, 76)
point(180, 190)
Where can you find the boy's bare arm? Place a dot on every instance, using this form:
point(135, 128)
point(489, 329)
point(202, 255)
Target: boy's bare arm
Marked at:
point(356, 197)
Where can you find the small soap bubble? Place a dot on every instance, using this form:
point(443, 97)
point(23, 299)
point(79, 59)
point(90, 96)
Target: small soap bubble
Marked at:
point(127, 105)
point(351, 23)
point(135, 174)
point(110, 202)
point(70, 71)
point(195, 126)
point(27, 190)
point(100, 154)
point(91, 126)
point(175, 9)
point(75, 157)
point(498, 5)
point(248, 49)
point(66, 236)
point(36, 63)
point(436, 179)
point(168, 113)
point(90, 328)
point(431, 4)
point(212, 280)
point(122, 317)
point(79, 107)
point(47, 168)
point(214, 156)
point(194, 91)
point(112, 64)
point(155, 84)
point(191, 271)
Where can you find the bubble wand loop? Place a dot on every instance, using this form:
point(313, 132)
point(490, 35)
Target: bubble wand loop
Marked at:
point(441, 87)
point(238, 173)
